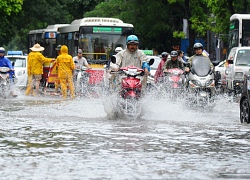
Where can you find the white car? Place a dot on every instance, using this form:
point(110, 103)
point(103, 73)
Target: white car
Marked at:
point(20, 66)
point(153, 68)
point(221, 68)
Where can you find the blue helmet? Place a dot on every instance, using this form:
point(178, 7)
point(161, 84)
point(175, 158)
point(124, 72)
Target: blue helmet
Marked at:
point(132, 39)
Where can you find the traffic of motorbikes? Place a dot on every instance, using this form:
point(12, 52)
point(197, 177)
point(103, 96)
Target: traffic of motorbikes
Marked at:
point(198, 87)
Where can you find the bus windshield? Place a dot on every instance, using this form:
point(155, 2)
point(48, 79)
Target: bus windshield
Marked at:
point(239, 33)
point(100, 42)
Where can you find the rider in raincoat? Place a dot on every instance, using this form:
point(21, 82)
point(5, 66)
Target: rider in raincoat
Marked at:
point(159, 72)
point(5, 62)
point(35, 68)
point(198, 50)
point(132, 56)
point(65, 72)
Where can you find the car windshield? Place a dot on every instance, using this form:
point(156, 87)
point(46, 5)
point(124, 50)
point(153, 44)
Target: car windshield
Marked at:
point(243, 58)
point(19, 62)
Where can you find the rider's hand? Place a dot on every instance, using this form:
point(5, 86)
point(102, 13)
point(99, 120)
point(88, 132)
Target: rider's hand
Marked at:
point(146, 71)
point(187, 69)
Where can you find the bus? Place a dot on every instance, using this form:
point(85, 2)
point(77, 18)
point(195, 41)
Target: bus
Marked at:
point(46, 38)
point(97, 37)
point(239, 31)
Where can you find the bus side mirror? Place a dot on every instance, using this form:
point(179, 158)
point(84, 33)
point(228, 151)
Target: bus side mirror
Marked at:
point(151, 61)
point(113, 59)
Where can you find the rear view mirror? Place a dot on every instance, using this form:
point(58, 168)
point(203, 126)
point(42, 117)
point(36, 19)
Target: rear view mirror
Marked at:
point(113, 59)
point(151, 61)
point(215, 63)
point(186, 64)
point(230, 61)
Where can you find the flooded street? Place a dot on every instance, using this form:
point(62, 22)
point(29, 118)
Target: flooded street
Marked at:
point(50, 138)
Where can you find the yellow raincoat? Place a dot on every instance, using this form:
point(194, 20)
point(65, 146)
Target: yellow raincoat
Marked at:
point(65, 72)
point(35, 67)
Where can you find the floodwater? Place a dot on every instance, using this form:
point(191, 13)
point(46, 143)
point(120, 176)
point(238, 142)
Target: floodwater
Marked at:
point(51, 138)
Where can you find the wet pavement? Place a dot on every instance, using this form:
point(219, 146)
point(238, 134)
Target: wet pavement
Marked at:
point(51, 138)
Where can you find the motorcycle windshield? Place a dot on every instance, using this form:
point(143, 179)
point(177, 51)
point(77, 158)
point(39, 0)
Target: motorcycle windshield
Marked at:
point(201, 65)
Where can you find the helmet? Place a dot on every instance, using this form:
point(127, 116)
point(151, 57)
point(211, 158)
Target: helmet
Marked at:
point(132, 39)
point(164, 54)
point(174, 54)
point(58, 48)
point(118, 49)
point(197, 46)
point(2, 50)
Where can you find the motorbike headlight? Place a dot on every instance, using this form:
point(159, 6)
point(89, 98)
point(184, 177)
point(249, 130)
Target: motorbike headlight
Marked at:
point(210, 82)
point(170, 79)
point(194, 83)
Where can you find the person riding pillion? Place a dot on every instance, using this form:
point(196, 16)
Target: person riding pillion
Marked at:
point(159, 72)
point(132, 56)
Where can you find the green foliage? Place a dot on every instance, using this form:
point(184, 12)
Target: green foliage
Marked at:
point(9, 7)
point(177, 34)
point(158, 23)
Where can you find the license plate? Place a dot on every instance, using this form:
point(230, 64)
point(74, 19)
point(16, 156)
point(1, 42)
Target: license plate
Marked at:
point(203, 94)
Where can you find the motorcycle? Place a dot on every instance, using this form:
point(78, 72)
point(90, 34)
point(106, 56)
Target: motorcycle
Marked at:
point(174, 82)
point(130, 92)
point(201, 83)
point(4, 82)
point(82, 82)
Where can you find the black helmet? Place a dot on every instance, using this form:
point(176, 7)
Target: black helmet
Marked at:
point(197, 46)
point(58, 48)
point(174, 54)
point(164, 54)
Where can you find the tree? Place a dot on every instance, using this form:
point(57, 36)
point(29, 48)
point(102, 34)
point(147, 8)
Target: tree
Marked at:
point(7, 10)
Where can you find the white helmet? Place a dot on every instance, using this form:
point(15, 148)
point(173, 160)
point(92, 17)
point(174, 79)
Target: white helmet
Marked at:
point(118, 49)
point(2, 50)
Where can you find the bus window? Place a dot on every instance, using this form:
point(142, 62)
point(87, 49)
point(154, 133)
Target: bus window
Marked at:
point(246, 32)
